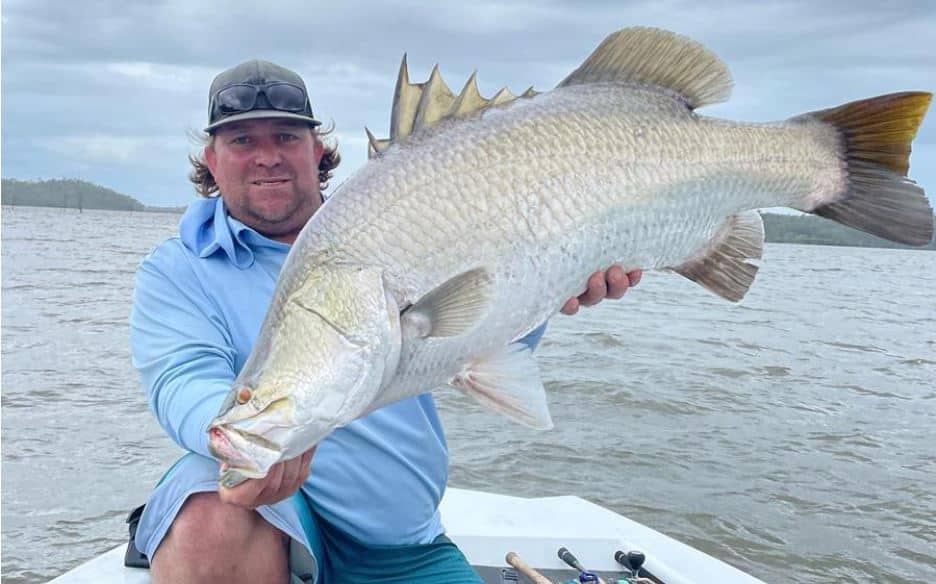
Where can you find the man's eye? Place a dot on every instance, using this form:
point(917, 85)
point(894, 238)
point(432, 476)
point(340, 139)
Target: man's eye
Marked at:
point(240, 140)
point(288, 137)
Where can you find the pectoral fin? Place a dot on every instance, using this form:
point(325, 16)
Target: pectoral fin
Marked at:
point(509, 383)
point(451, 309)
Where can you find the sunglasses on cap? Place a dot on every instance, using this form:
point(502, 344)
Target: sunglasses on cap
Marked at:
point(243, 97)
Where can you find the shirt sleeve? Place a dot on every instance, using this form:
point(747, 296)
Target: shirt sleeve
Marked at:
point(181, 349)
point(532, 338)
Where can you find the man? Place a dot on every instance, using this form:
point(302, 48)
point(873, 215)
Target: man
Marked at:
point(369, 511)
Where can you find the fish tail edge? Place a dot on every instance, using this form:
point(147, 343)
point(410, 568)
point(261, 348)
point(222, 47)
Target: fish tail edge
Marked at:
point(875, 136)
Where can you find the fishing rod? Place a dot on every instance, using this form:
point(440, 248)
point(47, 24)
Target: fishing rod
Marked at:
point(519, 565)
point(584, 575)
point(634, 561)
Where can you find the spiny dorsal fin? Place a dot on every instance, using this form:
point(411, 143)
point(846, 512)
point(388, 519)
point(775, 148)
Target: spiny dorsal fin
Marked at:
point(724, 268)
point(406, 98)
point(503, 96)
point(469, 99)
point(375, 146)
point(435, 102)
point(422, 105)
point(657, 57)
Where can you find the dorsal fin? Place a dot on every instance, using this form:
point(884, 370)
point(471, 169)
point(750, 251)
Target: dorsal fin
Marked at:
point(657, 57)
point(435, 102)
point(469, 99)
point(417, 106)
point(374, 146)
point(406, 98)
point(502, 96)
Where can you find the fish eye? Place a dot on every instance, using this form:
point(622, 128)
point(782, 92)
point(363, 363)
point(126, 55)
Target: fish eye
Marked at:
point(243, 395)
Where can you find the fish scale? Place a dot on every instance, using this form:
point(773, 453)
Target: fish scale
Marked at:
point(460, 236)
point(433, 242)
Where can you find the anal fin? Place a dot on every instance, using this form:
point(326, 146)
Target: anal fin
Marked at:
point(724, 267)
point(509, 383)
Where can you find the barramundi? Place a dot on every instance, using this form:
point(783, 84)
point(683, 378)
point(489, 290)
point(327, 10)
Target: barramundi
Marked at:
point(478, 218)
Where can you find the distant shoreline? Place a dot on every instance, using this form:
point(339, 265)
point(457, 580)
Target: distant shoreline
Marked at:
point(78, 194)
point(72, 194)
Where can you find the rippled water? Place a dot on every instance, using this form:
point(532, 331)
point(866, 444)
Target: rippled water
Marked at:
point(792, 436)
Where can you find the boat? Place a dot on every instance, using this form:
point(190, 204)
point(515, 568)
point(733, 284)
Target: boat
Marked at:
point(489, 526)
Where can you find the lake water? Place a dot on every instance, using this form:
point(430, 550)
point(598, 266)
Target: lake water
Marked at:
point(791, 436)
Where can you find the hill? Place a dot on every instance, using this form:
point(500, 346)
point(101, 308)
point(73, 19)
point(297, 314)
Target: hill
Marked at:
point(817, 230)
point(71, 193)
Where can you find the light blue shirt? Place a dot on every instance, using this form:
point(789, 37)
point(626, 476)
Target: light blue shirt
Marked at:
point(199, 302)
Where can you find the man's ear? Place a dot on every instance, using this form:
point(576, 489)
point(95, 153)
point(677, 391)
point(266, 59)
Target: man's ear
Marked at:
point(319, 151)
point(211, 157)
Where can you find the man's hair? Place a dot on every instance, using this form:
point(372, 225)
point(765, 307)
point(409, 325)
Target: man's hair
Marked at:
point(206, 186)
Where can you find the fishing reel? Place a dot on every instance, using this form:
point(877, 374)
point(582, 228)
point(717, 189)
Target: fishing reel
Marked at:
point(632, 561)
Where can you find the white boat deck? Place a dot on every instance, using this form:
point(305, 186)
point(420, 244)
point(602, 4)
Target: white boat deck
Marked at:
point(486, 526)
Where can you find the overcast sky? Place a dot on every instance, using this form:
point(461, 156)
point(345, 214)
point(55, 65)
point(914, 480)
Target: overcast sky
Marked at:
point(107, 90)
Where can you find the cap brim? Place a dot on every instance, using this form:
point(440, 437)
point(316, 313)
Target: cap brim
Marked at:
point(262, 114)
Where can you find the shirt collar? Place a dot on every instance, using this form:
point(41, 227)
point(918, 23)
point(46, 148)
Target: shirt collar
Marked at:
point(206, 228)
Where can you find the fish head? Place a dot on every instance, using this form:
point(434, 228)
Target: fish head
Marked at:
point(325, 350)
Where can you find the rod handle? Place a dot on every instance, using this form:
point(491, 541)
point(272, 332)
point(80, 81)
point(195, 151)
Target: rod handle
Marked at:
point(525, 569)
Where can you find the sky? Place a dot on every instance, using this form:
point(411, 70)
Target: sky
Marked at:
point(112, 91)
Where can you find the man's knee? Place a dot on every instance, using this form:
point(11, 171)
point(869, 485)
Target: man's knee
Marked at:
point(204, 522)
point(209, 537)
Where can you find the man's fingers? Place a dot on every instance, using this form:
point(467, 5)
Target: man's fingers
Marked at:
point(612, 283)
point(243, 494)
point(570, 307)
point(634, 277)
point(292, 471)
point(302, 471)
point(597, 290)
point(271, 485)
point(617, 282)
point(282, 480)
point(307, 463)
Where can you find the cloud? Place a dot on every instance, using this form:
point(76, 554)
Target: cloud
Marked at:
point(118, 150)
point(107, 89)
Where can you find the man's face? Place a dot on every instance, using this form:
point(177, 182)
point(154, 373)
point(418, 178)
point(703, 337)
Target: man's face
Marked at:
point(267, 171)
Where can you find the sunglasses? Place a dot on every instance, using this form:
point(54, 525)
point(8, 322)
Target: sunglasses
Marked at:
point(243, 97)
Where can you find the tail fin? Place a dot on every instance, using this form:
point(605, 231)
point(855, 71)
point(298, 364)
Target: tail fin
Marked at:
point(879, 198)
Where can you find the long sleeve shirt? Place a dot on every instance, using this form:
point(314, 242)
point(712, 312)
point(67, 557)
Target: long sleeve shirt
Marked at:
point(199, 303)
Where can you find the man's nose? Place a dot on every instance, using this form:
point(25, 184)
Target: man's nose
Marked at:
point(268, 155)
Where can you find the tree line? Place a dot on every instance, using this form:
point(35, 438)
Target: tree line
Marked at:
point(817, 230)
point(68, 192)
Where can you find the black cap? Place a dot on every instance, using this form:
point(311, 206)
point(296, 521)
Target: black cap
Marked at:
point(259, 75)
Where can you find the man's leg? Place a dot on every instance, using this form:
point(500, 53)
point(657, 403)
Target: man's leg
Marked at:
point(353, 562)
point(210, 541)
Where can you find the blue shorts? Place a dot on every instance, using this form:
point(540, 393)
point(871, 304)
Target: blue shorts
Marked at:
point(318, 552)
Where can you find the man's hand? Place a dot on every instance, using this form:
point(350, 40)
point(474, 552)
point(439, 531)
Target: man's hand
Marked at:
point(612, 283)
point(281, 482)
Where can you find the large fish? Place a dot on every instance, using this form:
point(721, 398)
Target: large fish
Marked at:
point(478, 218)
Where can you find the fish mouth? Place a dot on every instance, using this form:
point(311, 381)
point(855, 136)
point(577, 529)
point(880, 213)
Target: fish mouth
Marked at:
point(246, 453)
point(249, 441)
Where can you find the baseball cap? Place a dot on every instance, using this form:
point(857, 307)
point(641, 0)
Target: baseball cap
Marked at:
point(258, 89)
